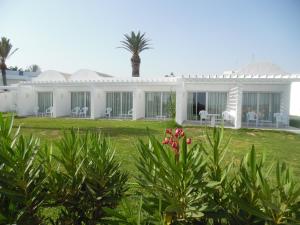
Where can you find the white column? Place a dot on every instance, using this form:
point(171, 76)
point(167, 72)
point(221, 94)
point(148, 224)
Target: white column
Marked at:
point(285, 100)
point(138, 104)
point(238, 118)
point(99, 103)
point(181, 105)
point(61, 102)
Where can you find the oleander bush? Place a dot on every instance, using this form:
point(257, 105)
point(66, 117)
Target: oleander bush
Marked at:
point(196, 185)
point(22, 177)
point(79, 180)
point(179, 182)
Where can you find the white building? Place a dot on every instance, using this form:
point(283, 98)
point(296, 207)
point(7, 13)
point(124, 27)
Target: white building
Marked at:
point(237, 99)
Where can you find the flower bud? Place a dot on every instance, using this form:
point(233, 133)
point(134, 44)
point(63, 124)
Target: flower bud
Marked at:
point(189, 141)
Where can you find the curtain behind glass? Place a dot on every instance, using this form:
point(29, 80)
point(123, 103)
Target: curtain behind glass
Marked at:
point(217, 102)
point(119, 102)
point(249, 104)
point(275, 104)
point(264, 107)
point(166, 100)
point(45, 100)
point(269, 103)
point(126, 102)
point(190, 106)
point(152, 104)
point(81, 99)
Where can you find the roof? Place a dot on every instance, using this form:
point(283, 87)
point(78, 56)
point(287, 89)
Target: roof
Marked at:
point(84, 75)
point(261, 68)
point(80, 75)
point(52, 75)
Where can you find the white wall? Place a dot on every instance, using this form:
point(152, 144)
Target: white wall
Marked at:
point(99, 103)
point(8, 101)
point(138, 106)
point(61, 102)
point(26, 101)
point(295, 99)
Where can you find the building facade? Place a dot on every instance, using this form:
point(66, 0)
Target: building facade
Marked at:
point(93, 95)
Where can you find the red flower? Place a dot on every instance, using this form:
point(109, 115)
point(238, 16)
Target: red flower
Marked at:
point(169, 131)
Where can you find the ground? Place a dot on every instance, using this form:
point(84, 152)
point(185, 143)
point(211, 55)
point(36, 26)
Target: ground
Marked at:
point(124, 134)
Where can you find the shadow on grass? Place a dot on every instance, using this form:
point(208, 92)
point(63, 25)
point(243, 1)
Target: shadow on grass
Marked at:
point(111, 132)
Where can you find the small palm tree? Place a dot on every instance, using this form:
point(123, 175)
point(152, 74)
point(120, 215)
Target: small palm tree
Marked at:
point(5, 52)
point(135, 43)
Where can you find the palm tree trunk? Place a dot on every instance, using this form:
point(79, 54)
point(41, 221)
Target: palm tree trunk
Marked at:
point(3, 71)
point(135, 64)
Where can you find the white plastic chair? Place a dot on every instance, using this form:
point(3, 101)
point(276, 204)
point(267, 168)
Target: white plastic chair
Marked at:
point(203, 115)
point(49, 111)
point(75, 111)
point(83, 111)
point(108, 112)
point(281, 118)
point(226, 116)
point(130, 113)
point(251, 117)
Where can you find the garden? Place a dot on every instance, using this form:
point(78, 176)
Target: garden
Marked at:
point(68, 171)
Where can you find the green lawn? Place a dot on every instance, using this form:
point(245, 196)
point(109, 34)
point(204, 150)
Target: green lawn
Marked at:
point(124, 134)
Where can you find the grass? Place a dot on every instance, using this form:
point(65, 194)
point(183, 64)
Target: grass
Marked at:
point(124, 134)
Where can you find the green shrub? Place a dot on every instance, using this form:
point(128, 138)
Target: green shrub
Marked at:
point(87, 178)
point(175, 177)
point(22, 177)
point(195, 185)
point(79, 181)
point(295, 121)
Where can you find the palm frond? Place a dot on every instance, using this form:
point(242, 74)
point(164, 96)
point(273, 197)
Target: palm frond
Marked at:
point(6, 48)
point(135, 42)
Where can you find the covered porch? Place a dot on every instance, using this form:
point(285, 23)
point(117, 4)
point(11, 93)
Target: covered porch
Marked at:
point(263, 110)
point(209, 108)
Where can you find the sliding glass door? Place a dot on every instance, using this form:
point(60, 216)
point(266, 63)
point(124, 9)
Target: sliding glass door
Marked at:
point(119, 102)
point(158, 104)
point(212, 102)
point(216, 102)
point(81, 99)
point(45, 101)
point(263, 104)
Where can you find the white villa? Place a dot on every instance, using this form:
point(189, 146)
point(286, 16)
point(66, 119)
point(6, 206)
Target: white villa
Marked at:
point(239, 99)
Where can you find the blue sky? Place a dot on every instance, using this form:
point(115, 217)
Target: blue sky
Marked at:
point(188, 37)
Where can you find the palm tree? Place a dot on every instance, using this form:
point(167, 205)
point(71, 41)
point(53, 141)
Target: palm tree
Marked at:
point(135, 43)
point(5, 52)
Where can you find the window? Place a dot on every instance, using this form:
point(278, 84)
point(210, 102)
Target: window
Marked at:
point(45, 101)
point(81, 99)
point(212, 102)
point(263, 104)
point(157, 104)
point(119, 102)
